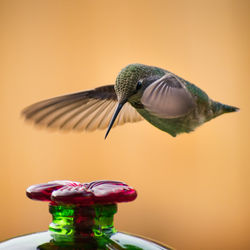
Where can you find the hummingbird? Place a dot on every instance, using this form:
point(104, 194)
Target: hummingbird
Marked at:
point(164, 99)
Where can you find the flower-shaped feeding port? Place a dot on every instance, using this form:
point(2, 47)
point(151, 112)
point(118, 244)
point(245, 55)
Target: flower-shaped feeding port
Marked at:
point(82, 218)
point(82, 212)
point(84, 194)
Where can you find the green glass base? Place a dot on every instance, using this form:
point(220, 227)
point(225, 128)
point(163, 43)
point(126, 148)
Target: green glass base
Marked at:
point(43, 241)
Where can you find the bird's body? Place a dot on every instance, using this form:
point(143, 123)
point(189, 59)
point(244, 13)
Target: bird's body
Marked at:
point(165, 100)
point(205, 109)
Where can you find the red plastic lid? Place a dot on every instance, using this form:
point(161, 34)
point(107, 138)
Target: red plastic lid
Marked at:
point(69, 192)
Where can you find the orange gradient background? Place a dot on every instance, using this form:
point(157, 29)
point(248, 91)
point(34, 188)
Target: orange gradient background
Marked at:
point(193, 189)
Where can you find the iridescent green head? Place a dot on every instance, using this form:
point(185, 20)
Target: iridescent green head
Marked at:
point(127, 80)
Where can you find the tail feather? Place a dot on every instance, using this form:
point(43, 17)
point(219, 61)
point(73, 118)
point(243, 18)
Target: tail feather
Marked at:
point(220, 108)
point(228, 108)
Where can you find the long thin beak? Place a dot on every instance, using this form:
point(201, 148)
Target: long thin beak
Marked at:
point(117, 110)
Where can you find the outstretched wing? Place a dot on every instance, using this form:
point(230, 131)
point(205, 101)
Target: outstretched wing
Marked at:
point(86, 110)
point(168, 97)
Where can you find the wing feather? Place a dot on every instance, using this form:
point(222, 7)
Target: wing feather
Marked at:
point(86, 110)
point(168, 97)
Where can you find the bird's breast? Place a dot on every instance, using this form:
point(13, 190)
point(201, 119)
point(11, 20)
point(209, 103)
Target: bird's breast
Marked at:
point(178, 125)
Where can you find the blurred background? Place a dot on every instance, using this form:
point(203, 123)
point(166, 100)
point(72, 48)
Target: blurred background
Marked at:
point(193, 189)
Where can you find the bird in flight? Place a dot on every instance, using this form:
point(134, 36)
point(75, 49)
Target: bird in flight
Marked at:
point(164, 99)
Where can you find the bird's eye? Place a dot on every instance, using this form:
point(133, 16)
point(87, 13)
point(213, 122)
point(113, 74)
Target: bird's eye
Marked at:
point(139, 84)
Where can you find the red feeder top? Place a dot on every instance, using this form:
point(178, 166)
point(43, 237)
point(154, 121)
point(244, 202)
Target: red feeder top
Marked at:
point(69, 192)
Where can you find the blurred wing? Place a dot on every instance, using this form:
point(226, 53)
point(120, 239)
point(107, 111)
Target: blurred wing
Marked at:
point(87, 110)
point(168, 97)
